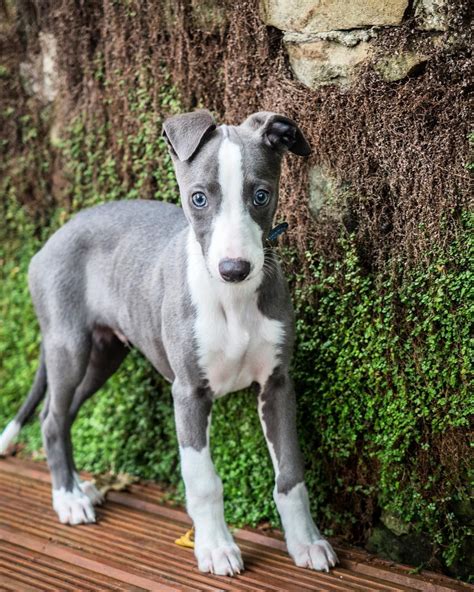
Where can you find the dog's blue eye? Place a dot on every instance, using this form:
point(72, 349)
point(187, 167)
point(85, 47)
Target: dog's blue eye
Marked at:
point(261, 198)
point(199, 200)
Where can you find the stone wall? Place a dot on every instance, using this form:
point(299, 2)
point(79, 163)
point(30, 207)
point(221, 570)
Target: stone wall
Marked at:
point(328, 40)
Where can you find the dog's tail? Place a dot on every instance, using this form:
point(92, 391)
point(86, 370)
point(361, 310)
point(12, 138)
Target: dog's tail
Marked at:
point(33, 399)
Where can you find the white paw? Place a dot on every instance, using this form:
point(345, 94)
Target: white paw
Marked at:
point(73, 507)
point(223, 560)
point(96, 497)
point(319, 555)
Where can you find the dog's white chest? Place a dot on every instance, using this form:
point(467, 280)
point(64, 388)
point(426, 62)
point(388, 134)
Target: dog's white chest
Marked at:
point(237, 345)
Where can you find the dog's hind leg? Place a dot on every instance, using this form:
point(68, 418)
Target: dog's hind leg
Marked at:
point(214, 547)
point(66, 363)
point(107, 353)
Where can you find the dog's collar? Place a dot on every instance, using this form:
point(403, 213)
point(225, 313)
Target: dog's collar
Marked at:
point(277, 230)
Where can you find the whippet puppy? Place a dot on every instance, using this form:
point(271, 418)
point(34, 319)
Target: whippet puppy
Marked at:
point(197, 290)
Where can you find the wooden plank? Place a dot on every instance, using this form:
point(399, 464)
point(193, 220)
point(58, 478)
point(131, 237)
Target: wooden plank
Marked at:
point(132, 548)
point(91, 579)
point(10, 583)
point(80, 559)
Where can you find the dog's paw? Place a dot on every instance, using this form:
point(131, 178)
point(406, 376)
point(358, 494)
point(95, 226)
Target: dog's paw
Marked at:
point(319, 555)
point(95, 496)
point(73, 507)
point(222, 560)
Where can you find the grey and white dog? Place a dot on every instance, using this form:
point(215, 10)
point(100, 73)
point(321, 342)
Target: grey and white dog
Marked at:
point(197, 290)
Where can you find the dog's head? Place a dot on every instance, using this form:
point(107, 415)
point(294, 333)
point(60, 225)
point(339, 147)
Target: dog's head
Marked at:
point(228, 178)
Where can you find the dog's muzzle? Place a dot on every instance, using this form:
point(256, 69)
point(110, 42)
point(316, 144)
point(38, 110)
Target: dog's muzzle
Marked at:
point(234, 270)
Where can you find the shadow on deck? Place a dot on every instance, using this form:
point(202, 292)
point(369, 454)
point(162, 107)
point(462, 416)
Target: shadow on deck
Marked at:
point(132, 548)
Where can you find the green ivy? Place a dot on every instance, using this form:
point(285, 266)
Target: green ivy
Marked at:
point(383, 368)
point(89, 147)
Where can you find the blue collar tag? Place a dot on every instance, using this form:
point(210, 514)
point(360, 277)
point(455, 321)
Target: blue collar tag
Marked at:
point(277, 230)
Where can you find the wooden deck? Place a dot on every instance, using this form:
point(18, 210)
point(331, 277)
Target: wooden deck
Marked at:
point(132, 548)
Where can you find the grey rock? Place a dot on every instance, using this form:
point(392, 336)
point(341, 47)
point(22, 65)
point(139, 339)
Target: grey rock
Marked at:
point(321, 190)
point(315, 16)
point(347, 38)
point(398, 66)
point(414, 549)
point(394, 523)
point(431, 15)
point(330, 195)
point(321, 62)
point(39, 74)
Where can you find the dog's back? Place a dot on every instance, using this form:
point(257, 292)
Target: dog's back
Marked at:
point(100, 230)
point(83, 258)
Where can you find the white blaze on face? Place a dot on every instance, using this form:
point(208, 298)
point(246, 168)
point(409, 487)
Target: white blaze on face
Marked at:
point(235, 235)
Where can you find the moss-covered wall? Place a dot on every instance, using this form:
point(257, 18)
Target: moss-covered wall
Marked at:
point(381, 278)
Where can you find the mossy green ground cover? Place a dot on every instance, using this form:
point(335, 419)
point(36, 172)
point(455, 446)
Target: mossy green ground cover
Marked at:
point(381, 368)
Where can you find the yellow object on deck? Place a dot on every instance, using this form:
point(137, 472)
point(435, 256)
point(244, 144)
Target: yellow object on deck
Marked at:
point(186, 540)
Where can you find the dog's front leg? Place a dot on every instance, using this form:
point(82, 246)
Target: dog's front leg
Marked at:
point(277, 411)
point(214, 546)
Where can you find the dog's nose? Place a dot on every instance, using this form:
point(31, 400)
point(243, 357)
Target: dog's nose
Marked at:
point(234, 270)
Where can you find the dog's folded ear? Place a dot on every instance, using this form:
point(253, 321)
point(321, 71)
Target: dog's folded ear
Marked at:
point(279, 132)
point(185, 132)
